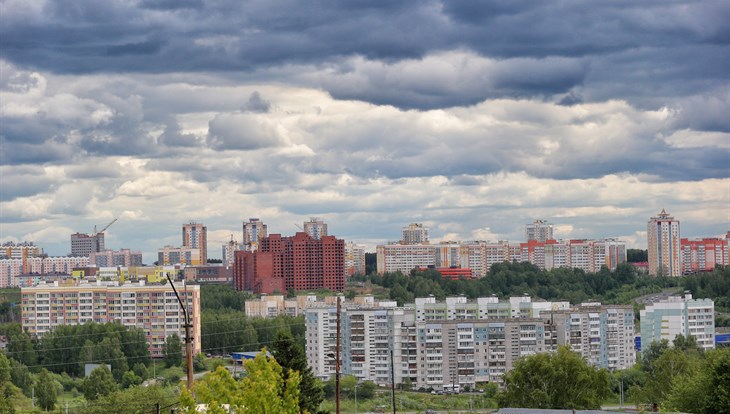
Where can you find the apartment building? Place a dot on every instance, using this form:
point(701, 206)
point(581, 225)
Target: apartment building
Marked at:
point(299, 262)
point(271, 306)
point(369, 333)
point(354, 259)
point(679, 316)
point(704, 254)
point(122, 257)
point(663, 237)
point(170, 255)
point(253, 231)
point(11, 250)
point(153, 308)
point(539, 230)
point(85, 244)
point(11, 269)
point(455, 343)
point(588, 255)
point(602, 334)
point(414, 233)
point(316, 228)
point(195, 237)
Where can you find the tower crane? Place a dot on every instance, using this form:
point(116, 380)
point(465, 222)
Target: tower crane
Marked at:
point(105, 227)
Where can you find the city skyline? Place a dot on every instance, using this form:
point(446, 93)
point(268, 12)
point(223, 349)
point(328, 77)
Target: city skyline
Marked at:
point(474, 119)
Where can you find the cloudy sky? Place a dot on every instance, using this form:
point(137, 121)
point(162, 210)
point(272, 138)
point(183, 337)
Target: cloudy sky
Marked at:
point(472, 117)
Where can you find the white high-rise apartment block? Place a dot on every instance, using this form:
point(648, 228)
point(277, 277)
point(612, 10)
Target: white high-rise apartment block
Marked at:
point(539, 230)
point(316, 228)
point(679, 316)
point(195, 236)
point(663, 237)
point(253, 232)
point(414, 233)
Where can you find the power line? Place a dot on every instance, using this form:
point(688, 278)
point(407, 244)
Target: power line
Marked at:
point(134, 342)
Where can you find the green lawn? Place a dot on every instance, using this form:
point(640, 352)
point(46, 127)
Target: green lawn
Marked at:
point(413, 402)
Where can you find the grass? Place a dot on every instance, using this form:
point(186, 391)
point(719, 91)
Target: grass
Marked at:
point(413, 402)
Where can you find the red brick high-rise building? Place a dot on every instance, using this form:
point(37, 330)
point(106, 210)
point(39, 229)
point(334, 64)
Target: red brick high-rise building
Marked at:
point(299, 262)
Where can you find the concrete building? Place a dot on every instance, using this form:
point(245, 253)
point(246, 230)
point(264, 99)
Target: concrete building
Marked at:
point(460, 308)
point(369, 333)
point(414, 233)
point(354, 259)
point(11, 250)
point(704, 254)
point(679, 316)
point(84, 244)
point(316, 228)
point(153, 308)
point(539, 230)
point(404, 257)
point(602, 334)
point(663, 237)
point(228, 251)
point(170, 255)
point(253, 232)
point(195, 236)
point(209, 274)
point(122, 257)
point(271, 306)
point(299, 262)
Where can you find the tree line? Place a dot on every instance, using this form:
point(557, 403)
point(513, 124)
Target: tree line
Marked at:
point(574, 285)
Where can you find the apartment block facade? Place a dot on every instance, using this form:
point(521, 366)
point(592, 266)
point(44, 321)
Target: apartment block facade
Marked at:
point(664, 249)
point(153, 308)
point(84, 244)
point(299, 262)
point(11, 269)
point(539, 230)
point(170, 255)
point(588, 255)
point(457, 343)
point(679, 316)
point(414, 233)
point(354, 259)
point(316, 228)
point(253, 231)
point(195, 237)
point(122, 257)
point(704, 254)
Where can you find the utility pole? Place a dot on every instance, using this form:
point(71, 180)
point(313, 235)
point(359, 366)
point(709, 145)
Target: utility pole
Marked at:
point(392, 379)
point(337, 359)
point(188, 336)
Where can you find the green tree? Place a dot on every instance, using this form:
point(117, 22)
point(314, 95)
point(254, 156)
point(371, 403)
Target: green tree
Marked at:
point(266, 391)
point(290, 355)
point(705, 390)
point(141, 370)
point(45, 390)
point(100, 383)
point(559, 380)
point(366, 390)
point(173, 351)
point(130, 379)
point(4, 368)
point(134, 400)
point(672, 363)
point(263, 390)
point(20, 376)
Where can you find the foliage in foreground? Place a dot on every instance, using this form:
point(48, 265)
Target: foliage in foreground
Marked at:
point(263, 390)
point(561, 380)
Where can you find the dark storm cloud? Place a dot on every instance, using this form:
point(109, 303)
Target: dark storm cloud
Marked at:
point(23, 181)
point(172, 36)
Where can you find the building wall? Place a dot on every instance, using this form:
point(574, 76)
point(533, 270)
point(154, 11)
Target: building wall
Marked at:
point(703, 255)
point(195, 236)
point(299, 262)
point(253, 232)
point(663, 239)
point(679, 316)
point(153, 308)
point(85, 244)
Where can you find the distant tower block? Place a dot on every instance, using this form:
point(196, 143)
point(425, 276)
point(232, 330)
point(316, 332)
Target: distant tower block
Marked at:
point(663, 238)
point(195, 236)
point(539, 230)
point(253, 232)
point(316, 228)
point(414, 233)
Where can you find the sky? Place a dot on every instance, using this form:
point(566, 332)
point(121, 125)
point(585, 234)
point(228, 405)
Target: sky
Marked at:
point(471, 117)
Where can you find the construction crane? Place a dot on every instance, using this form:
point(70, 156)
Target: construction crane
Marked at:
point(105, 227)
